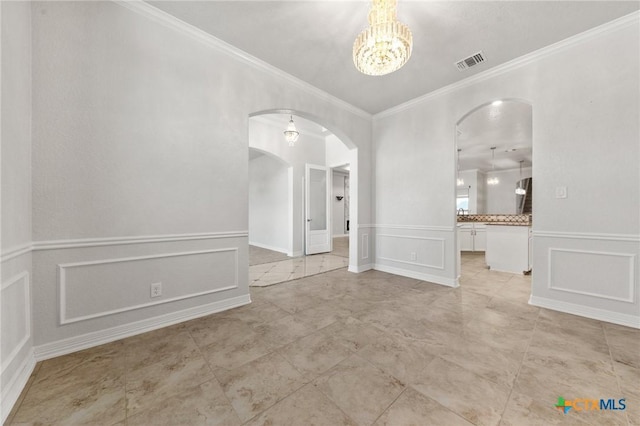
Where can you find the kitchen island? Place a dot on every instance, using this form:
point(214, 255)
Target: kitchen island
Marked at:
point(508, 247)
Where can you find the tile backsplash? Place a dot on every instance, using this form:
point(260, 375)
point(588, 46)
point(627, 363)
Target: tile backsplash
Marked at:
point(524, 219)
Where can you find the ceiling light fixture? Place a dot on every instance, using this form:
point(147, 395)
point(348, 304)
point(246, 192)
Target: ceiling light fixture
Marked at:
point(291, 134)
point(496, 103)
point(459, 180)
point(520, 190)
point(493, 180)
point(385, 46)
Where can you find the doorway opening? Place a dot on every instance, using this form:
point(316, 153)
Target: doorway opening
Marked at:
point(298, 205)
point(494, 146)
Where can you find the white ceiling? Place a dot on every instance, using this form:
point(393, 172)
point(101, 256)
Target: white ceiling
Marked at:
point(313, 40)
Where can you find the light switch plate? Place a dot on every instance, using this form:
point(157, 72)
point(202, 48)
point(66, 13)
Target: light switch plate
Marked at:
point(561, 192)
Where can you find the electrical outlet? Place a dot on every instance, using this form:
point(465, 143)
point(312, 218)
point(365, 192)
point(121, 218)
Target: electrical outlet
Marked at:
point(156, 289)
point(414, 257)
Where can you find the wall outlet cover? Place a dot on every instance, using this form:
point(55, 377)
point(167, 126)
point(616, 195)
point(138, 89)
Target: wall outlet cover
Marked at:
point(156, 290)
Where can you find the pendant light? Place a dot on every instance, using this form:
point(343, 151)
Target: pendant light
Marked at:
point(493, 180)
point(459, 180)
point(291, 134)
point(520, 190)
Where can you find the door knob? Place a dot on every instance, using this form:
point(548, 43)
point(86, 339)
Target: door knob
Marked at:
point(308, 220)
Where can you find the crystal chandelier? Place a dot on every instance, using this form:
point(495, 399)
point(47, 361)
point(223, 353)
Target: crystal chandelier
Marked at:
point(291, 134)
point(386, 45)
point(493, 180)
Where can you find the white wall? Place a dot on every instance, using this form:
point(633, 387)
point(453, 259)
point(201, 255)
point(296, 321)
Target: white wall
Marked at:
point(269, 204)
point(143, 166)
point(585, 137)
point(16, 347)
point(501, 198)
point(337, 153)
point(309, 149)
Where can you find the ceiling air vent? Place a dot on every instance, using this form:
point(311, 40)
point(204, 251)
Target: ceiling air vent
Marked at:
point(472, 60)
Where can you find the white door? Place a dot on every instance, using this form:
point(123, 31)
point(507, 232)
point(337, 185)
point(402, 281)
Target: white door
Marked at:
point(317, 209)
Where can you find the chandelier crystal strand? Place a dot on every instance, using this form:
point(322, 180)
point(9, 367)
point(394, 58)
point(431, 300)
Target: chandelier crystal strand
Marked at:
point(520, 190)
point(386, 45)
point(291, 134)
point(493, 180)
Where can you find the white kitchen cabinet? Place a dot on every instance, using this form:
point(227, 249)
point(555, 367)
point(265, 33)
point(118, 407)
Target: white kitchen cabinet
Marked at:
point(508, 248)
point(472, 237)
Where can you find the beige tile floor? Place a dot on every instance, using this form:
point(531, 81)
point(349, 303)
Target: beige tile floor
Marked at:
point(352, 349)
point(268, 267)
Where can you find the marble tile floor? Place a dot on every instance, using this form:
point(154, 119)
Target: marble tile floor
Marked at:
point(268, 274)
point(267, 267)
point(352, 349)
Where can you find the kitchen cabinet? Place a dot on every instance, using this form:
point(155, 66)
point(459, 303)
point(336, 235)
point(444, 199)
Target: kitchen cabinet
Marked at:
point(472, 237)
point(508, 248)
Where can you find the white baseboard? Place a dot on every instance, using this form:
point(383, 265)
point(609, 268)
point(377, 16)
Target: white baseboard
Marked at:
point(295, 254)
point(268, 247)
point(11, 391)
point(586, 311)
point(360, 268)
point(96, 338)
point(449, 282)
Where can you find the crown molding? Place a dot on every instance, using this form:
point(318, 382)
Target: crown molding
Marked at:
point(163, 18)
point(514, 64)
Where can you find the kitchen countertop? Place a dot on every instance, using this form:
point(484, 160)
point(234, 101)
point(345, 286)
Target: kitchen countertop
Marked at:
point(508, 224)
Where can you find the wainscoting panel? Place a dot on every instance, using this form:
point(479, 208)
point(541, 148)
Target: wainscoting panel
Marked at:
point(109, 286)
point(421, 252)
point(411, 250)
point(16, 317)
point(594, 275)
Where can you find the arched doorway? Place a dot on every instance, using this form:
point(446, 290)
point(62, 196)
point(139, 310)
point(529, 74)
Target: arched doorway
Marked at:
point(316, 148)
point(494, 145)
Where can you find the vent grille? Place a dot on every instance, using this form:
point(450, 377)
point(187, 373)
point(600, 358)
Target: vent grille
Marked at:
point(471, 61)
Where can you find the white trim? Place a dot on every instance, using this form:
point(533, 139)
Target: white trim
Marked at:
point(586, 311)
point(298, 253)
point(587, 236)
point(360, 268)
point(142, 8)
point(267, 247)
point(14, 252)
point(63, 290)
point(631, 256)
point(418, 227)
point(515, 63)
point(24, 277)
point(411, 237)
point(417, 275)
point(365, 225)
point(96, 338)
point(365, 246)
point(13, 388)
point(340, 236)
point(110, 241)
